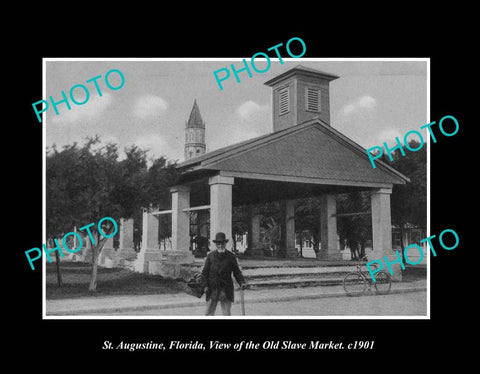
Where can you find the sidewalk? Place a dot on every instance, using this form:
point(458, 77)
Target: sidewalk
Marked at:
point(93, 305)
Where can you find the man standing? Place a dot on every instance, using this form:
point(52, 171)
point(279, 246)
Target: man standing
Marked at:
point(137, 240)
point(217, 277)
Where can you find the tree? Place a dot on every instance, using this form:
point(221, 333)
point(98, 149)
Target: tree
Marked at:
point(161, 175)
point(409, 201)
point(354, 230)
point(240, 223)
point(129, 190)
point(307, 218)
point(86, 184)
point(270, 226)
point(58, 224)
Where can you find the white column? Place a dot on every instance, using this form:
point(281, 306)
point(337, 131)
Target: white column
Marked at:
point(381, 221)
point(382, 231)
point(109, 243)
point(254, 246)
point(126, 233)
point(75, 241)
point(108, 256)
point(149, 250)
point(289, 227)
point(126, 249)
point(180, 219)
point(170, 265)
point(330, 248)
point(87, 251)
point(255, 230)
point(149, 232)
point(221, 206)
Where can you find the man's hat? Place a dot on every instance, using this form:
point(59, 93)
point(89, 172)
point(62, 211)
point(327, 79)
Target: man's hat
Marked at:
point(220, 238)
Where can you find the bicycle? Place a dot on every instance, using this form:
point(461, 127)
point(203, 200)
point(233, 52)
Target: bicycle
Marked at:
point(355, 283)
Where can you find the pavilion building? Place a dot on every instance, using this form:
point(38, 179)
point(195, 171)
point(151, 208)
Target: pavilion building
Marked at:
point(304, 156)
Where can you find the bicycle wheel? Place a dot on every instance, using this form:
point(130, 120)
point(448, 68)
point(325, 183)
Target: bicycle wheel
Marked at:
point(383, 283)
point(354, 284)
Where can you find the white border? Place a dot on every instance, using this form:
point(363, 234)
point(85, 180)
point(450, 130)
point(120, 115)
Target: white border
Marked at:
point(123, 59)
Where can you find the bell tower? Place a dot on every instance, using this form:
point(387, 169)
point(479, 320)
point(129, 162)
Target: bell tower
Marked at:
point(300, 94)
point(194, 134)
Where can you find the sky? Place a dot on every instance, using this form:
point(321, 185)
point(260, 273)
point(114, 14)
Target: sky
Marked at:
point(372, 102)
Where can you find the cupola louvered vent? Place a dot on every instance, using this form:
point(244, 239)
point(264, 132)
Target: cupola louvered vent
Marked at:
point(284, 97)
point(312, 99)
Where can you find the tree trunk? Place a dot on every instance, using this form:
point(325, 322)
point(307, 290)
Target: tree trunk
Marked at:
point(93, 278)
point(96, 250)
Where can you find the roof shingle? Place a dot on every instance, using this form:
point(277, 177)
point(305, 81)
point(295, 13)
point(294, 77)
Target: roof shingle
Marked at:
point(311, 150)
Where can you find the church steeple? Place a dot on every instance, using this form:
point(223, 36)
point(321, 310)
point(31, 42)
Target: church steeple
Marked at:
point(194, 134)
point(195, 119)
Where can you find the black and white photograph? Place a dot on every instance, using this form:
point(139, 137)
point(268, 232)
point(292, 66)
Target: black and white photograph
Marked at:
point(240, 195)
point(237, 188)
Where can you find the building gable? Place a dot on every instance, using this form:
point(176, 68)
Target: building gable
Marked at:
point(311, 152)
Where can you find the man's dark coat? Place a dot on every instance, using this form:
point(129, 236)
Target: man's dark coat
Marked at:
point(217, 273)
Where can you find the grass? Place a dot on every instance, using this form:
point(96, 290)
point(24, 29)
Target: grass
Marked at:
point(110, 282)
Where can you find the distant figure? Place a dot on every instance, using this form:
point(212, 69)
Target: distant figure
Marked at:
point(201, 249)
point(217, 277)
point(137, 240)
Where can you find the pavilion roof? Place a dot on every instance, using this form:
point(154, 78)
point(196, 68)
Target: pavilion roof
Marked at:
point(311, 152)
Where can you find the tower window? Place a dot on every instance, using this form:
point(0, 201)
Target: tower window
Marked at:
point(284, 101)
point(312, 99)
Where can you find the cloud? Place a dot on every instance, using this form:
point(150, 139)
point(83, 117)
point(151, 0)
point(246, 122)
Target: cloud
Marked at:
point(149, 106)
point(251, 120)
point(251, 111)
point(363, 102)
point(92, 108)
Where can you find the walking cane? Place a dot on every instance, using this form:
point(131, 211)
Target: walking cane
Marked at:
point(242, 301)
